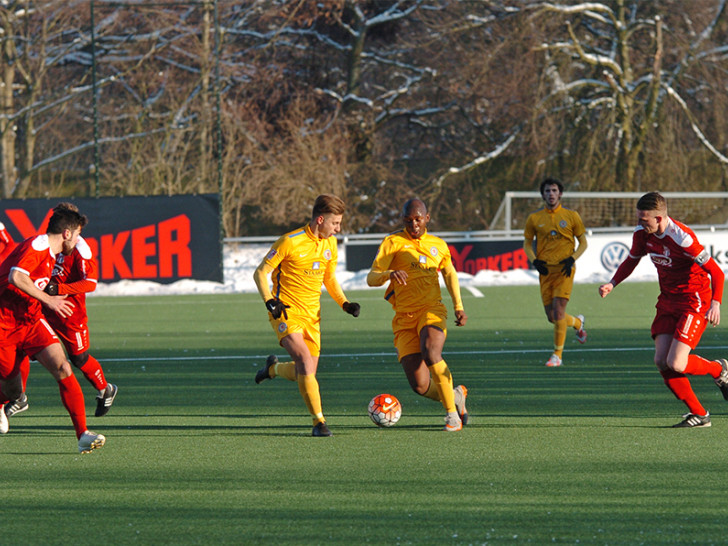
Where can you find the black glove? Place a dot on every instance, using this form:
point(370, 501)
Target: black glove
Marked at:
point(277, 308)
point(351, 308)
point(51, 288)
point(568, 264)
point(540, 266)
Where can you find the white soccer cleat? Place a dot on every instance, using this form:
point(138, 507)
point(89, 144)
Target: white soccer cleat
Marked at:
point(554, 361)
point(4, 426)
point(581, 332)
point(90, 441)
point(453, 422)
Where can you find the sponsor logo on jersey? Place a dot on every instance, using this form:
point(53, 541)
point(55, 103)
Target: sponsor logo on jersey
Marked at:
point(423, 259)
point(663, 259)
point(41, 283)
point(316, 266)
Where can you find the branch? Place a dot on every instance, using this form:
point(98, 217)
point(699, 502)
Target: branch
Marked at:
point(693, 124)
point(478, 160)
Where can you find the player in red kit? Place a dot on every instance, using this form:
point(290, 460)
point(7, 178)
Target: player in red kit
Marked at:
point(74, 275)
point(691, 290)
point(24, 331)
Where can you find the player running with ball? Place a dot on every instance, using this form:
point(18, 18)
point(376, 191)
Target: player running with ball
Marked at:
point(691, 289)
point(411, 260)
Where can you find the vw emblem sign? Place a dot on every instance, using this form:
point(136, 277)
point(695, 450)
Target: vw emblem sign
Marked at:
point(613, 254)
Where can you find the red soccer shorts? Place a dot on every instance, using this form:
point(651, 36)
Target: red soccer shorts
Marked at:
point(687, 326)
point(29, 339)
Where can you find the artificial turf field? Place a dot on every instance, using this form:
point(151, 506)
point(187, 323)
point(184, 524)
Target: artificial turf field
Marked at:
point(197, 453)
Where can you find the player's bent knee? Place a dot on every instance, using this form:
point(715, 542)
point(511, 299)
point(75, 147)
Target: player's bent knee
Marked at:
point(13, 390)
point(79, 360)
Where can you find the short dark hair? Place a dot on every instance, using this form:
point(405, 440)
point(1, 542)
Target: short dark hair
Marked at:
point(328, 204)
point(66, 216)
point(551, 182)
point(652, 201)
point(412, 204)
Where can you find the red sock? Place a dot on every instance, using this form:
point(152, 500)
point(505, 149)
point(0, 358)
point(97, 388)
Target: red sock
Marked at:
point(72, 398)
point(680, 387)
point(697, 365)
point(93, 372)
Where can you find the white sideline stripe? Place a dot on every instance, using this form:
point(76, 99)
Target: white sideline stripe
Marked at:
point(393, 354)
point(475, 292)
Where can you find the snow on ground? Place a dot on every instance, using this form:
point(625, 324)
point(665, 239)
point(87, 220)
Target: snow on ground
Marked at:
point(239, 262)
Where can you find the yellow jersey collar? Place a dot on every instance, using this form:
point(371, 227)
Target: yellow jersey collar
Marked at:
point(553, 211)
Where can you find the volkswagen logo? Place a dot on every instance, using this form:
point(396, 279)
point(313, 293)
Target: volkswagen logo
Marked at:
point(613, 254)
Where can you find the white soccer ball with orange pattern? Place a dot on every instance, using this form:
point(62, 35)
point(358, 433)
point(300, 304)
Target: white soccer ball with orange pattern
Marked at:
point(385, 410)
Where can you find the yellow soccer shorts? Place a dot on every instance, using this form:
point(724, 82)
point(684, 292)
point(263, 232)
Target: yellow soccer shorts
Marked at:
point(407, 327)
point(555, 285)
point(309, 328)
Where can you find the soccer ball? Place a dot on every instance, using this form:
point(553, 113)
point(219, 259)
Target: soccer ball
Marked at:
point(385, 410)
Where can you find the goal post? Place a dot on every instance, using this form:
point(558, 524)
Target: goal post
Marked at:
point(612, 209)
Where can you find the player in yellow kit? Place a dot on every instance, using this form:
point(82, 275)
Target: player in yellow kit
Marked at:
point(300, 262)
point(556, 229)
point(410, 260)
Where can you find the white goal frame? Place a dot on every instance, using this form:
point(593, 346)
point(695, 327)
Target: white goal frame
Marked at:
point(504, 218)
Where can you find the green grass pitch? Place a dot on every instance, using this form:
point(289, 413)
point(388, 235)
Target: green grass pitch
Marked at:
point(199, 454)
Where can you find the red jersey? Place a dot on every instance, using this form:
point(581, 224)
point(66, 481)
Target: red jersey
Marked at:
point(7, 244)
point(34, 258)
point(76, 274)
point(679, 258)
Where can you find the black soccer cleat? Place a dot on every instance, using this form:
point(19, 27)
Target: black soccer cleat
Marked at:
point(103, 403)
point(722, 379)
point(21, 404)
point(694, 421)
point(320, 429)
point(264, 373)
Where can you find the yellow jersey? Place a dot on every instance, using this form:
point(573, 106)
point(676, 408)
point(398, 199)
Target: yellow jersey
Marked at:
point(555, 232)
point(422, 259)
point(301, 263)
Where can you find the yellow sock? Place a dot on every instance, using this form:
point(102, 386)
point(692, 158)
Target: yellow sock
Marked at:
point(286, 370)
point(442, 379)
point(572, 322)
point(432, 392)
point(559, 337)
point(309, 388)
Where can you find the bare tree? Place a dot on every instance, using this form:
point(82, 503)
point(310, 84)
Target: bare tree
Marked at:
point(609, 71)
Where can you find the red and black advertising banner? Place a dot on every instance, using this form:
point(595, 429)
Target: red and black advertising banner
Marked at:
point(468, 256)
point(160, 239)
